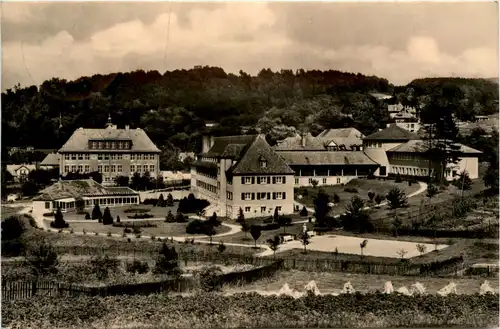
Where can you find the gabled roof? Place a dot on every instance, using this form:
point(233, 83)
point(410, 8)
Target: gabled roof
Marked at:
point(422, 146)
point(12, 169)
point(79, 188)
point(78, 142)
point(312, 158)
point(52, 159)
point(393, 132)
point(230, 147)
point(342, 136)
point(299, 142)
point(249, 163)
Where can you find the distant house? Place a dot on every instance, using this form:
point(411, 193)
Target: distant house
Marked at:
point(51, 161)
point(406, 121)
point(343, 139)
point(399, 151)
point(63, 195)
point(20, 172)
point(300, 142)
point(184, 155)
point(174, 177)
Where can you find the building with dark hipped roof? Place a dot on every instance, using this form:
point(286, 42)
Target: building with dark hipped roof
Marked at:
point(234, 172)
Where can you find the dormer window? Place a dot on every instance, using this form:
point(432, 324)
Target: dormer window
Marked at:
point(262, 162)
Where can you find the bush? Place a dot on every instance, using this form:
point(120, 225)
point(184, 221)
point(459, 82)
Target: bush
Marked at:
point(59, 221)
point(179, 218)
point(170, 217)
point(96, 212)
point(137, 267)
point(136, 230)
point(210, 279)
point(268, 220)
point(117, 219)
point(107, 219)
point(12, 248)
point(49, 214)
point(304, 212)
point(197, 227)
point(151, 201)
point(192, 205)
point(127, 230)
point(87, 215)
point(350, 190)
point(103, 265)
point(136, 210)
point(140, 216)
point(398, 179)
point(42, 258)
point(12, 228)
point(167, 262)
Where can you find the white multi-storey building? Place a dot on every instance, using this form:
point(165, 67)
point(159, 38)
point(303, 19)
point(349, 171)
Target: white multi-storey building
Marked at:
point(234, 172)
point(111, 151)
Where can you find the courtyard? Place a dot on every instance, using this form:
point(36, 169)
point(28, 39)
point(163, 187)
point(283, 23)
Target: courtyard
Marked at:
point(351, 245)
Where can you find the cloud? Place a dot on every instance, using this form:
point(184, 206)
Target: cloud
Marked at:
point(247, 36)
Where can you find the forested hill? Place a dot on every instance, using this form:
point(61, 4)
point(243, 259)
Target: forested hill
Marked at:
point(174, 106)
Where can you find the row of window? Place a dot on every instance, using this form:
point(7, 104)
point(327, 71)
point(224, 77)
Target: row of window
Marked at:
point(102, 201)
point(403, 156)
point(110, 145)
point(206, 186)
point(206, 175)
point(311, 180)
point(76, 156)
point(410, 171)
point(77, 168)
point(137, 168)
point(263, 196)
point(229, 195)
point(109, 168)
point(262, 209)
point(109, 156)
point(262, 180)
point(372, 145)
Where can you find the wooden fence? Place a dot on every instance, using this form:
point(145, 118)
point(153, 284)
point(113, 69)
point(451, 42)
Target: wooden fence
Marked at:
point(26, 289)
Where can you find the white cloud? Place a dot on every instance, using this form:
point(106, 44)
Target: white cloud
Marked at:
point(234, 37)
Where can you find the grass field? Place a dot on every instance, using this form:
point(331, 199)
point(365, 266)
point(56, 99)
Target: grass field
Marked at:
point(362, 185)
point(334, 282)
point(162, 229)
point(9, 211)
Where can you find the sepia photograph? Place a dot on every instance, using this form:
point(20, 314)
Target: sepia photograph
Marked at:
point(227, 164)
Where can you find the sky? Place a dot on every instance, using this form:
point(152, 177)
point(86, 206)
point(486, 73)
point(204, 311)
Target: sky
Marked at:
point(396, 41)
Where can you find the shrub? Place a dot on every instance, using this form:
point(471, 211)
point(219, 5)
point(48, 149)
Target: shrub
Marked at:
point(304, 212)
point(136, 266)
point(12, 228)
point(107, 219)
point(151, 201)
point(136, 210)
point(96, 212)
point(42, 258)
point(170, 217)
point(396, 198)
point(170, 200)
point(161, 201)
point(87, 215)
point(214, 221)
point(49, 214)
point(117, 219)
point(179, 218)
point(126, 230)
point(197, 227)
point(371, 195)
point(398, 178)
point(103, 265)
point(140, 216)
point(210, 279)
point(167, 262)
point(350, 190)
point(59, 221)
point(136, 230)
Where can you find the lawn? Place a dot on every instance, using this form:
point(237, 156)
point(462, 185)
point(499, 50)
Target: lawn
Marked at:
point(157, 212)
point(363, 186)
point(162, 229)
point(9, 211)
point(122, 246)
point(334, 282)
